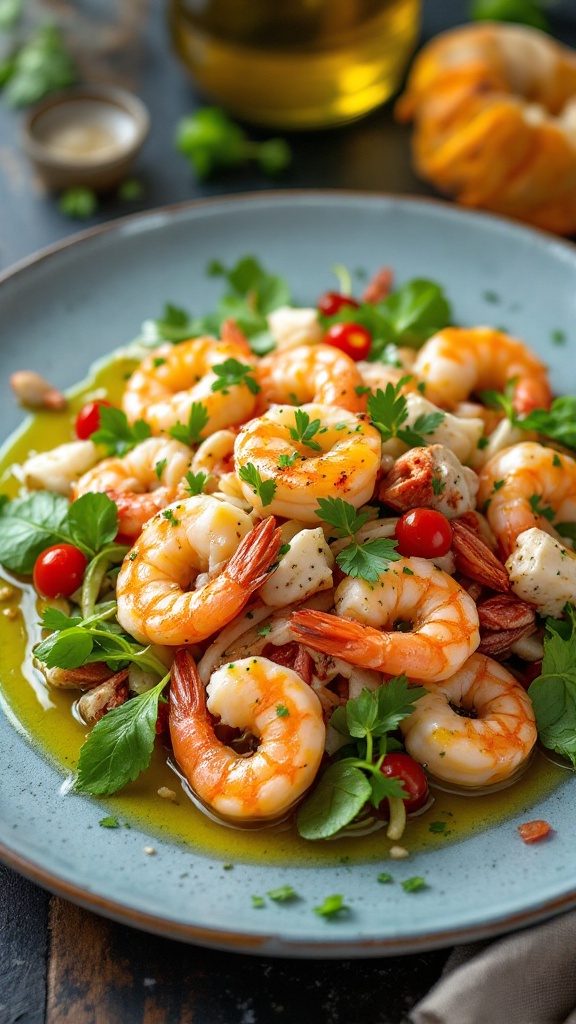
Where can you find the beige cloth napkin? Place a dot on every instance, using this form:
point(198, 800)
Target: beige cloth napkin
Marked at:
point(528, 977)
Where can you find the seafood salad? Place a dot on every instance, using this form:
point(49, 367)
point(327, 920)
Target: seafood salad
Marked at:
point(321, 556)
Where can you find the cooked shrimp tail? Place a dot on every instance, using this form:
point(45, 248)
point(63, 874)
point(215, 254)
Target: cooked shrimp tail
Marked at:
point(250, 566)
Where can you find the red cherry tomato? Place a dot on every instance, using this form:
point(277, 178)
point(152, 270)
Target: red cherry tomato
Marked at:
point(353, 339)
point(423, 533)
point(88, 419)
point(59, 570)
point(331, 303)
point(412, 775)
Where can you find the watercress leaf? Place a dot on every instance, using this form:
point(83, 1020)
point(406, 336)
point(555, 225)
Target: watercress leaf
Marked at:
point(30, 525)
point(416, 311)
point(93, 521)
point(69, 648)
point(251, 281)
point(120, 745)
point(53, 618)
point(339, 723)
point(553, 693)
point(361, 713)
point(338, 797)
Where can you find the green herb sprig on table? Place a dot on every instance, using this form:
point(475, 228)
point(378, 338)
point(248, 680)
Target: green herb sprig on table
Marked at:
point(212, 141)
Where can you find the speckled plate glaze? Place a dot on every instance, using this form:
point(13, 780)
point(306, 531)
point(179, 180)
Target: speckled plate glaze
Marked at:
point(64, 308)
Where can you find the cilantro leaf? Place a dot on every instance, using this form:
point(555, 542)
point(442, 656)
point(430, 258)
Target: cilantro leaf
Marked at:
point(191, 433)
point(120, 745)
point(116, 434)
point(30, 525)
point(553, 692)
point(263, 489)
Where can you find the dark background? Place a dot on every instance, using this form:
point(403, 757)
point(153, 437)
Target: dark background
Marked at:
point(64, 965)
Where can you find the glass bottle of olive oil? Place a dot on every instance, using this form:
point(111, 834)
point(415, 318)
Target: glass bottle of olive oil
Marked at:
point(296, 64)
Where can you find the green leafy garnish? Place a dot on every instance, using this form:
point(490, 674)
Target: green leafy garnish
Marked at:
point(349, 784)
point(39, 66)
point(263, 489)
point(388, 410)
point(282, 894)
point(120, 745)
point(116, 434)
point(196, 482)
point(413, 884)
point(286, 461)
point(366, 561)
point(522, 12)
point(78, 202)
point(109, 822)
point(212, 141)
point(553, 692)
point(541, 510)
point(305, 430)
point(557, 423)
point(175, 324)
point(331, 906)
point(232, 372)
point(191, 433)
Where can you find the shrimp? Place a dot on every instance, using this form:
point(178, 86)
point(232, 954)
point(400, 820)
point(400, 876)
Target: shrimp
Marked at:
point(162, 389)
point(493, 107)
point(275, 705)
point(141, 482)
point(458, 361)
point(445, 634)
point(475, 728)
point(340, 458)
point(310, 373)
point(521, 486)
point(157, 600)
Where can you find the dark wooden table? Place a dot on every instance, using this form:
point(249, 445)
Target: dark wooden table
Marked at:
point(59, 963)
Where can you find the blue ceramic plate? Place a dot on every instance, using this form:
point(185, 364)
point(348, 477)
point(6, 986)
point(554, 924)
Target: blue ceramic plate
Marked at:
point(70, 305)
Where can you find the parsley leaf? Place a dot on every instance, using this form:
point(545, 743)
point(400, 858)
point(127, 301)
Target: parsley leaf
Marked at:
point(365, 561)
point(553, 692)
point(388, 410)
point(305, 429)
point(557, 423)
point(331, 906)
point(196, 482)
point(191, 433)
point(120, 745)
point(263, 489)
point(175, 324)
point(232, 372)
point(116, 434)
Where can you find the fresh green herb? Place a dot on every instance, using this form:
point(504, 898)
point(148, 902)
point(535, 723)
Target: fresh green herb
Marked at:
point(384, 877)
point(160, 467)
point(558, 337)
point(349, 784)
point(413, 884)
point(282, 711)
point(283, 550)
point(331, 906)
point(557, 423)
point(557, 461)
point(540, 510)
point(285, 461)
point(258, 902)
point(196, 482)
point(388, 411)
point(503, 400)
point(78, 202)
point(131, 190)
point(175, 324)
point(116, 434)
point(230, 373)
point(282, 894)
point(567, 530)
point(263, 489)
point(523, 12)
point(264, 630)
point(191, 433)
point(438, 485)
point(366, 561)
point(39, 66)
point(305, 430)
point(437, 827)
point(120, 745)
point(553, 692)
point(212, 141)
point(170, 515)
point(109, 822)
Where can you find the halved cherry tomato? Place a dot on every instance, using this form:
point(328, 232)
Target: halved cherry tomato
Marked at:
point(88, 419)
point(423, 533)
point(59, 570)
point(331, 303)
point(353, 339)
point(411, 774)
point(533, 831)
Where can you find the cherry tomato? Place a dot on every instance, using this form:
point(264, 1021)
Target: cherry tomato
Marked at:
point(88, 419)
point(533, 831)
point(59, 570)
point(412, 775)
point(423, 533)
point(331, 303)
point(353, 339)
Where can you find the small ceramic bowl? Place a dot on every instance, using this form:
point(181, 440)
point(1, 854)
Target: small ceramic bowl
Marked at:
point(85, 136)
